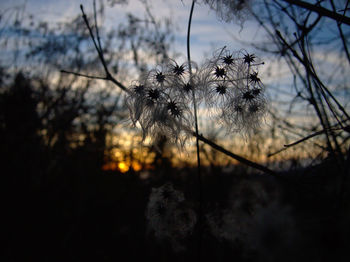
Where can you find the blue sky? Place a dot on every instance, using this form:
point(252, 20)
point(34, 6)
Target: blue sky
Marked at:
point(208, 33)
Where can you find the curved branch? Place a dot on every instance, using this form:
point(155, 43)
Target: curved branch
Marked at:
point(237, 157)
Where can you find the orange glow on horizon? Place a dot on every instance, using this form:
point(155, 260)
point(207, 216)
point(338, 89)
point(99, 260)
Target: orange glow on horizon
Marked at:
point(123, 167)
point(111, 166)
point(136, 166)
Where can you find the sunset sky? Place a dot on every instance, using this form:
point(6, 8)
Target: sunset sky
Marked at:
point(207, 31)
point(208, 34)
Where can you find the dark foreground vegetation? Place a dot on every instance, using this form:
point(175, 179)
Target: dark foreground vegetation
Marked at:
point(76, 212)
point(59, 205)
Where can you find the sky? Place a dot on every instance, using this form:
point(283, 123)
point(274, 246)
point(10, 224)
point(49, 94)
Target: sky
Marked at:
point(208, 33)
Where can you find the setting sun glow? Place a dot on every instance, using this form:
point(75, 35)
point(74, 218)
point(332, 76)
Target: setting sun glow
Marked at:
point(123, 167)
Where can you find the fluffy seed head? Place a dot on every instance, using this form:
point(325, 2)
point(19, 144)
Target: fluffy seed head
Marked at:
point(230, 10)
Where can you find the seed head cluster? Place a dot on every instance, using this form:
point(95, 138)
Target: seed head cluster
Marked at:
point(233, 90)
point(161, 102)
point(228, 84)
point(168, 216)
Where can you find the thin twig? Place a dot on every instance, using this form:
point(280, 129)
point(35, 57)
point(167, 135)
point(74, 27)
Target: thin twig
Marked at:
point(304, 138)
point(96, 27)
point(277, 152)
point(83, 75)
point(100, 52)
point(108, 78)
point(237, 157)
point(200, 211)
point(321, 11)
point(286, 146)
point(312, 73)
point(341, 33)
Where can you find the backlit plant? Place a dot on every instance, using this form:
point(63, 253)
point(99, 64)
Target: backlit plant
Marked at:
point(164, 102)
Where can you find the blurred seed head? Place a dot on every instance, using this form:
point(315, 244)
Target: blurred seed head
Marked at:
point(231, 10)
point(169, 217)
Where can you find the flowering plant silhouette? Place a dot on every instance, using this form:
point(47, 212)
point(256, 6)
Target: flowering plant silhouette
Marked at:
point(161, 101)
point(234, 91)
point(164, 103)
point(228, 84)
point(185, 80)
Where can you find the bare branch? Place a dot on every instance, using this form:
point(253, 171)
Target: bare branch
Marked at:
point(83, 75)
point(237, 157)
point(321, 11)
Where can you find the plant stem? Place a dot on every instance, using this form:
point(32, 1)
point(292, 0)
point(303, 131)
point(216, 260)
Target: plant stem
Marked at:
point(237, 157)
point(200, 208)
